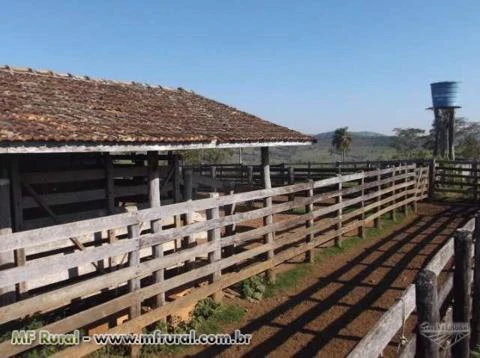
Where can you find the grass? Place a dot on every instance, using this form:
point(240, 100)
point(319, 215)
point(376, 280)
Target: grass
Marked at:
point(207, 318)
point(210, 322)
point(291, 278)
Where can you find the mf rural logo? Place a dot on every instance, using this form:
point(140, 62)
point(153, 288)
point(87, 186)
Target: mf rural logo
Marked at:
point(445, 335)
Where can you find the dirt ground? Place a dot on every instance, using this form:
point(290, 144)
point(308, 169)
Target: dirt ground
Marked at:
point(329, 311)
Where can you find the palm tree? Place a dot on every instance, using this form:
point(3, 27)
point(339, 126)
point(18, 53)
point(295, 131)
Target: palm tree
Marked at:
point(342, 140)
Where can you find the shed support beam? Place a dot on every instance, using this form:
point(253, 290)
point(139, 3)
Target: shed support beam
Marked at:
point(7, 259)
point(154, 201)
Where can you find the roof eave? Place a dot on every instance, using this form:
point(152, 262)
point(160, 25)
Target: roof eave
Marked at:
point(86, 147)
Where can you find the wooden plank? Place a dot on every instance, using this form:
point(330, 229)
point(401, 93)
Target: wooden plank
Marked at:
point(37, 223)
point(441, 258)
point(54, 233)
point(375, 341)
point(64, 198)
point(62, 296)
point(64, 176)
point(129, 190)
point(45, 266)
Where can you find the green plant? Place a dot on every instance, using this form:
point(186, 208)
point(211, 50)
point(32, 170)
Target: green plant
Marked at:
point(253, 288)
point(476, 352)
point(205, 308)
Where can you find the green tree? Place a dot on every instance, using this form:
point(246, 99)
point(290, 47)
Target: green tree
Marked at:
point(467, 136)
point(342, 141)
point(409, 143)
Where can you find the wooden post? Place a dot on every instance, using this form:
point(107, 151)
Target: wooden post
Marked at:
point(291, 181)
point(156, 225)
point(309, 255)
point(378, 220)
point(15, 180)
point(134, 284)
point(431, 179)
point(213, 174)
point(475, 335)
point(177, 196)
point(363, 231)
point(405, 172)
point(268, 202)
point(188, 184)
point(188, 241)
point(291, 175)
point(427, 312)
point(462, 278)
point(475, 180)
point(419, 179)
point(230, 229)
point(338, 240)
point(394, 210)
point(110, 201)
point(250, 175)
point(7, 259)
point(216, 255)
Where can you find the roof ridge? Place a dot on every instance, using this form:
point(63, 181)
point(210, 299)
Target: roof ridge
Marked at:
point(68, 75)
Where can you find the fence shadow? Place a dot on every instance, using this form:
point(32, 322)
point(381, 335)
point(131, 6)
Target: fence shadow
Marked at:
point(403, 241)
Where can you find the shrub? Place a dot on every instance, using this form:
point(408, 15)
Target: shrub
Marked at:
point(253, 288)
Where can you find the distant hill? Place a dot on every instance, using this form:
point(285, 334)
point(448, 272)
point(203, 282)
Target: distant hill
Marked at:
point(365, 146)
point(329, 135)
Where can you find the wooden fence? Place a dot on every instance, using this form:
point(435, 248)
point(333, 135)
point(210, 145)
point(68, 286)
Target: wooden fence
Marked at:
point(146, 274)
point(429, 301)
point(289, 173)
point(456, 179)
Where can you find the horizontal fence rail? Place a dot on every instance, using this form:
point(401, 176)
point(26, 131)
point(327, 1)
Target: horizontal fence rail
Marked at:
point(219, 242)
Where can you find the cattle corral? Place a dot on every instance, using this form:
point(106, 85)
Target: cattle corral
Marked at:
point(103, 229)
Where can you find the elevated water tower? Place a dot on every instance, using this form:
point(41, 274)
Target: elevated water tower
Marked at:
point(444, 103)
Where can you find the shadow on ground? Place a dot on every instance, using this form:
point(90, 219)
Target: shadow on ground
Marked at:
point(413, 243)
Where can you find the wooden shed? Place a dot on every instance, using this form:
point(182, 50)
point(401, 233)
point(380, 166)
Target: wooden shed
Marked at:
point(73, 147)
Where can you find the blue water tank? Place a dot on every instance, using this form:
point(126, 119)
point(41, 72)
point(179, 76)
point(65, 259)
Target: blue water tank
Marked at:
point(444, 94)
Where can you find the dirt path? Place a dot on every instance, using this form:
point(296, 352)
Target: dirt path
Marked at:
point(331, 309)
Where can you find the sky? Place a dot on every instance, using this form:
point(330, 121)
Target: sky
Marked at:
point(309, 65)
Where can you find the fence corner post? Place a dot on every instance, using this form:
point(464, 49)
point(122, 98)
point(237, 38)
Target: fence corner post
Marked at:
point(462, 278)
point(427, 311)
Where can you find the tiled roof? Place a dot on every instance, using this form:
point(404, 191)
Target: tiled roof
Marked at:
point(45, 107)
